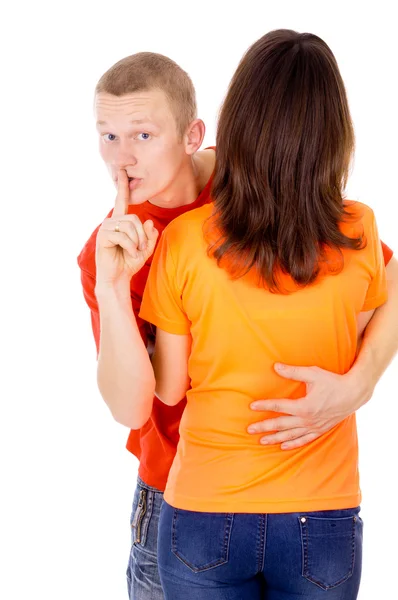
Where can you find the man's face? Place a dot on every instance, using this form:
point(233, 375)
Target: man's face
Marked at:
point(138, 133)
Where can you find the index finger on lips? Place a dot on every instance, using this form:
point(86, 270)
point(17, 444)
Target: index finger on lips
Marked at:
point(122, 196)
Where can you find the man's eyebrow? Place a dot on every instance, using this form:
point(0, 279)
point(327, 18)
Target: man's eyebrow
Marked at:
point(133, 122)
point(139, 121)
point(145, 122)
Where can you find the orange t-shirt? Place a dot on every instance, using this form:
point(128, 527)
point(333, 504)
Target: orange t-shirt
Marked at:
point(238, 332)
point(156, 442)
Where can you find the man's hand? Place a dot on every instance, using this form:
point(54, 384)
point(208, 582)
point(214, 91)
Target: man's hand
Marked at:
point(329, 400)
point(123, 243)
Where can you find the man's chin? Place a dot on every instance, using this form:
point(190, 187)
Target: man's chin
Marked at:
point(136, 199)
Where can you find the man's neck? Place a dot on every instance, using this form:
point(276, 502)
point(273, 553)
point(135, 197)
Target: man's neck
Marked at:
point(190, 182)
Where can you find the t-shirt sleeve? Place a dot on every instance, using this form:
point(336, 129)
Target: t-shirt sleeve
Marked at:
point(387, 253)
point(162, 301)
point(377, 290)
point(88, 284)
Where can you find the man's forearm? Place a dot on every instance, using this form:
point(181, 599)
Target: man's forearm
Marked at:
point(125, 375)
point(380, 339)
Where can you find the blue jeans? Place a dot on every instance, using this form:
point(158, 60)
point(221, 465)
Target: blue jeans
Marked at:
point(290, 556)
point(143, 580)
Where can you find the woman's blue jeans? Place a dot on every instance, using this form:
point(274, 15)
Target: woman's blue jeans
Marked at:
point(290, 556)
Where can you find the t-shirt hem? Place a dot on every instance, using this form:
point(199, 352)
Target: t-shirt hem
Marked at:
point(375, 302)
point(165, 324)
point(387, 254)
point(277, 506)
point(153, 481)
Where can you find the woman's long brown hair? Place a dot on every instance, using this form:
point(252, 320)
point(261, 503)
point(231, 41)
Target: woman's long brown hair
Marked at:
point(284, 145)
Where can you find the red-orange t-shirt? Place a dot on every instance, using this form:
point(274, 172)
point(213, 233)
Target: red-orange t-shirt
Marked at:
point(156, 442)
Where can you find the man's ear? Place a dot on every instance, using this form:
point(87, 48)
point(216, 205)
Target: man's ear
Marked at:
point(194, 136)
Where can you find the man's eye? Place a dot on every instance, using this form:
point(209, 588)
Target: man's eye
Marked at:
point(143, 136)
point(109, 137)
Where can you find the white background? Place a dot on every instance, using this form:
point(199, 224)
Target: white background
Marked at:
point(67, 481)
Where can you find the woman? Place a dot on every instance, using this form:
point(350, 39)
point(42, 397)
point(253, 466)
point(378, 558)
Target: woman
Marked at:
point(281, 268)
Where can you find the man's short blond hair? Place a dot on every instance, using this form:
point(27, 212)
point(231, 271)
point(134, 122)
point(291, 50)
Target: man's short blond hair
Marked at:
point(146, 71)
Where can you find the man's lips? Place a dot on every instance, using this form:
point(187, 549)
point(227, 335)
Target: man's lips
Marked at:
point(134, 182)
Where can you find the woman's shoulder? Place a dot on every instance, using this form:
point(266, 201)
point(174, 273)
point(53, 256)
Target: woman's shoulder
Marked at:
point(188, 226)
point(357, 209)
point(358, 218)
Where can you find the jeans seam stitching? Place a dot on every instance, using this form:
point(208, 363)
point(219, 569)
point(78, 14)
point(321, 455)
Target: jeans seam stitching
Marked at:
point(261, 553)
point(146, 520)
point(264, 540)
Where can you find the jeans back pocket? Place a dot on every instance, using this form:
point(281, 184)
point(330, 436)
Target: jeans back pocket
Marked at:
point(329, 546)
point(201, 540)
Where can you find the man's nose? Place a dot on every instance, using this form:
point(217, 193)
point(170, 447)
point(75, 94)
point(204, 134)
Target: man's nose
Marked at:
point(125, 156)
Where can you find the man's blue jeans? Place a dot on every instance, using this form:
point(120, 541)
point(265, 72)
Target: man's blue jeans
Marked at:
point(143, 580)
point(290, 556)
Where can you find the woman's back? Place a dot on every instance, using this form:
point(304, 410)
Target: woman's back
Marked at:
point(278, 270)
point(239, 330)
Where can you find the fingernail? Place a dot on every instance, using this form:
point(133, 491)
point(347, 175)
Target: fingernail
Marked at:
point(264, 441)
point(279, 366)
point(254, 406)
point(251, 429)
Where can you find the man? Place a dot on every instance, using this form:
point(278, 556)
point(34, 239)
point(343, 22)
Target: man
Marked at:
point(150, 139)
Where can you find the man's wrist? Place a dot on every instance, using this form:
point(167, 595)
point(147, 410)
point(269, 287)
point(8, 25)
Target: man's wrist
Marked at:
point(361, 382)
point(114, 291)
